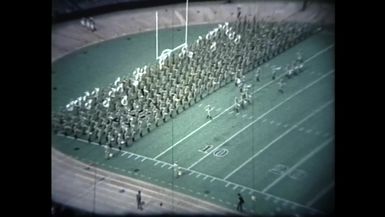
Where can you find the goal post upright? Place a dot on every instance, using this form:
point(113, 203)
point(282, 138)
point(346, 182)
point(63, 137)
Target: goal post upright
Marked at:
point(156, 33)
point(186, 30)
point(168, 51)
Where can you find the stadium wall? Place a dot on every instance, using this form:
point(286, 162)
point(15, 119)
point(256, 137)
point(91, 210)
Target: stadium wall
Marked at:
point(69, 36)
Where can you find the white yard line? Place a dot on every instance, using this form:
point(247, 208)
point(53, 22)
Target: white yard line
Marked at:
point(217, 178)
point(295, 204)
point(260, 117)
point(278, 138)
point(297, 164)
point(318, 53)
point(320, 194)
point(224, 111)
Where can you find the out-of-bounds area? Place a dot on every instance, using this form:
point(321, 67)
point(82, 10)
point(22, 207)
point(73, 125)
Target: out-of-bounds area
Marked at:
point(277, 152)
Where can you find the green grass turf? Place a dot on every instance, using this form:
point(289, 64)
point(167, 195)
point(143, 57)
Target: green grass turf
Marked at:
point(326, 202)
point(101, 65)
point(306, 188)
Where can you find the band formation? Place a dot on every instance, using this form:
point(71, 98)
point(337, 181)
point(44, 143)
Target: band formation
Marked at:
point(117, 115)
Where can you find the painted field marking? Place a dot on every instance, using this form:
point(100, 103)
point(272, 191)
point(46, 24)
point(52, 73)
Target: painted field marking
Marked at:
point(224, 111)
point(205, 149)
point(320, 194)
point(228, 183)
point(279, 137)
point(298, 164)
point(262, 116)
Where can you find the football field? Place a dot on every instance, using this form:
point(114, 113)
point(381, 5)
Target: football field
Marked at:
point(278, 151)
